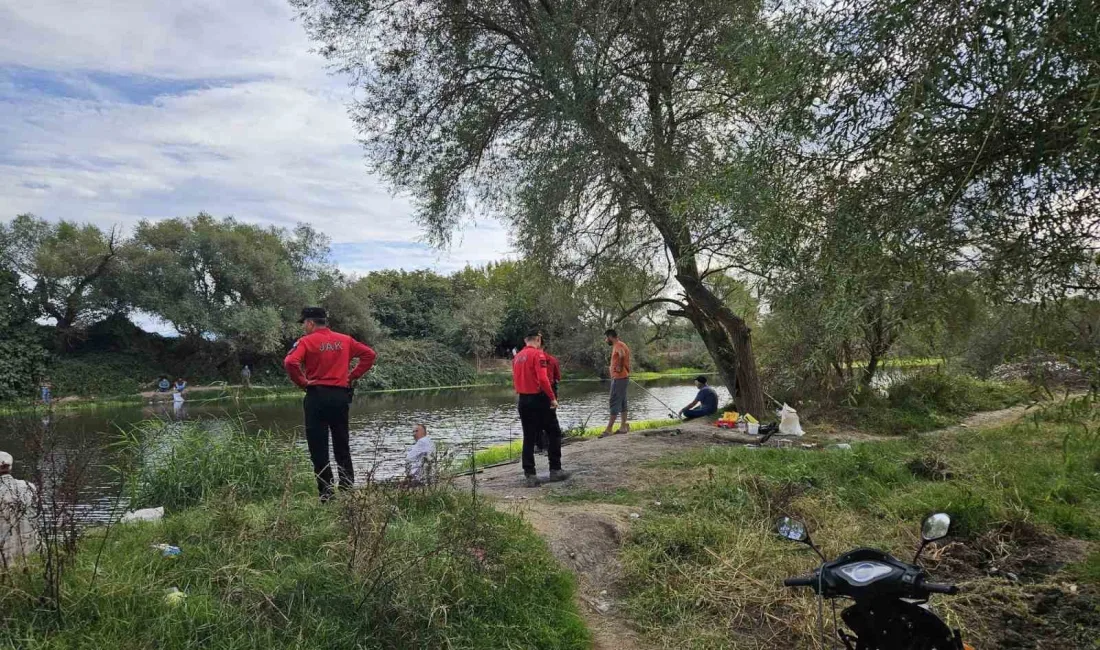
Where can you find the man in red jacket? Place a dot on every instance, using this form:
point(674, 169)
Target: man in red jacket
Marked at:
point(319, 364)
point(536, 404)
point(553, 370)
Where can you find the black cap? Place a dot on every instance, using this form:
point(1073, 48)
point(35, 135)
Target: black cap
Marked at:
point(702, 379)
point(310, 313)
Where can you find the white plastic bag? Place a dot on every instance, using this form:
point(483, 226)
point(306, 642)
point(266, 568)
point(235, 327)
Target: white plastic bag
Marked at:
point(146, 514)
point(788, 422)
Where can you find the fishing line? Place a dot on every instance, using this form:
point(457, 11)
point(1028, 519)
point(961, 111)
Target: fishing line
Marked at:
point(671, 412)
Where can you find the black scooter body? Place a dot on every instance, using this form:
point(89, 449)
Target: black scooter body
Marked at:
point(889, 612)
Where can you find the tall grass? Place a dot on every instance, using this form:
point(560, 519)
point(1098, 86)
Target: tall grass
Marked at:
point(704, 567)
point(180, 464)
point(928, 400)
point(264, 565)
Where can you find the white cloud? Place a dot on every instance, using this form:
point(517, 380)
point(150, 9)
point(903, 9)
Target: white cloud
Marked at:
point(168, 38)
point(251, 127)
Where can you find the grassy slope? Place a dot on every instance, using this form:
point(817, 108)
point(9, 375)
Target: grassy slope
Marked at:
point(703, 569)
point(265, 566)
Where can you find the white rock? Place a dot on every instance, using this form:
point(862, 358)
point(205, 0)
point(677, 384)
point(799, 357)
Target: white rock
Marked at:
point(145, 514)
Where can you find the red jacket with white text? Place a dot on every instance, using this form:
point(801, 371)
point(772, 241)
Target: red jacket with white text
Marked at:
point(323, 357)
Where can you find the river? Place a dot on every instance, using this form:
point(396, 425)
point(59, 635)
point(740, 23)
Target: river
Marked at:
point(381, 424)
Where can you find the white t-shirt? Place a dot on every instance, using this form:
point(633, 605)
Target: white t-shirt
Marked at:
point(18, 536)
point(417, 456)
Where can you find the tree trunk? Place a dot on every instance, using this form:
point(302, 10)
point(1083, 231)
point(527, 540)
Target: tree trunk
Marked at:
point(729, 341)
point(869, 370)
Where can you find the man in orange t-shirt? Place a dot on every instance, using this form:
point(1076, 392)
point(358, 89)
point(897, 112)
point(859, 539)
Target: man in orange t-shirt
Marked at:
point(620, 379)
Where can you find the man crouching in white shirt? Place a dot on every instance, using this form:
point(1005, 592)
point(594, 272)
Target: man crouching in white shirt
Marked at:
point(18, 508)
point(419, 457)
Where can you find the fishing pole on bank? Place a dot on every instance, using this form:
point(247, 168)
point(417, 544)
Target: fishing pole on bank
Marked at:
point(671, 412)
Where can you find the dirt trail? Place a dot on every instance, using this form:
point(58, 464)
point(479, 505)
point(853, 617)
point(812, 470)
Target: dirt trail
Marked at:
point(586, 536)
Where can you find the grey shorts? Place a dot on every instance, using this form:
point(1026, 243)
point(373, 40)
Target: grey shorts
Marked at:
point(618, 395)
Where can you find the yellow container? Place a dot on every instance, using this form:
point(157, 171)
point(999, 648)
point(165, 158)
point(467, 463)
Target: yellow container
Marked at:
point(730, 416)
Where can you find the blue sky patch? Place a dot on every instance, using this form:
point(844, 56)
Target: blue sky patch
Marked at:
point(101, 86)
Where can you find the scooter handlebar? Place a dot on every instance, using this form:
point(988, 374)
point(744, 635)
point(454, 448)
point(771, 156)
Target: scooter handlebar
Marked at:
point(799, 581)
point(940, 588)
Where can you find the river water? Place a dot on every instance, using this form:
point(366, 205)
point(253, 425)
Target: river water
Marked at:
point(381, 424)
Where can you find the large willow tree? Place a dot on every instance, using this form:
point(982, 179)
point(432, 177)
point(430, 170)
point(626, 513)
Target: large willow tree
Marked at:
point(585, 123)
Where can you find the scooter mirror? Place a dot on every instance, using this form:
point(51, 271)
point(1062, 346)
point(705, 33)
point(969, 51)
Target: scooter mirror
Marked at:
point(792, 529)
point(935, 527)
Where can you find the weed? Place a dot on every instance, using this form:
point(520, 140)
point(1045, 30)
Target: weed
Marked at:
point(267, 566)
point(179, 464)
point(708, 571)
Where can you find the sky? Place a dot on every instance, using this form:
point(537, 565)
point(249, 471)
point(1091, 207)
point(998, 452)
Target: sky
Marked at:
point(113, 111)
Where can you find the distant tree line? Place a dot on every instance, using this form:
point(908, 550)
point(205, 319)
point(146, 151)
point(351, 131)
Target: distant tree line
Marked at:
point(233, 292)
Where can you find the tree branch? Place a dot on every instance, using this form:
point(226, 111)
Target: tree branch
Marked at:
point(646, 303)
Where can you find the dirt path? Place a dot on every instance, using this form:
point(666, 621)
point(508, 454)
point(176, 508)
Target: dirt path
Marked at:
point(586, 536)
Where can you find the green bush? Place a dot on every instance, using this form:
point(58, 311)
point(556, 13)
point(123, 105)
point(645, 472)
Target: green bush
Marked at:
point(416, 364)
point(180, 464)
point(927, 400)
point(953, 394)
point(103, 374)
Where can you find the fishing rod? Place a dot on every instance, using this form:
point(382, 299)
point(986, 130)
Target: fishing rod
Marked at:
point(671, 413)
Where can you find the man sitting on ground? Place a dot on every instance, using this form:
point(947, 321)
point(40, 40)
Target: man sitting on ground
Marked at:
point(419, 457)
point(18, 536)
point(706, 399)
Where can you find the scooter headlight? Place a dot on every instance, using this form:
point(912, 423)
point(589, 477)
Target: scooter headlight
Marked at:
point(864, 573)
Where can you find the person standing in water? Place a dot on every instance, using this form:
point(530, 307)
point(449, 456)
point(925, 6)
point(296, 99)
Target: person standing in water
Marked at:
point(620, 380)
point(419, 457)
point(319, 363)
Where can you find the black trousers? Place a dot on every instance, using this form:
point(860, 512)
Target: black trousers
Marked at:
point(536, 416)
point(326, 410)
point(542, 443)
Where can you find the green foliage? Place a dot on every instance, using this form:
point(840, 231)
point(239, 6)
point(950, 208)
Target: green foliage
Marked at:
point(288, 572)
point(22, 354)
point(411, 304)
point(234, 280)
point(477, 323)
point(927, 400)
point(181, 464)
point(953, 394)
point(560, 146)
point(945, 114)
point(705, 567)
point(105, 374)
point(71, 267)
point(1011, 332)
point(349, 309)
point(417, 364)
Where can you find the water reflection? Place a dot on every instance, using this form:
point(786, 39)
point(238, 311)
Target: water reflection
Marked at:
point(381, 424)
